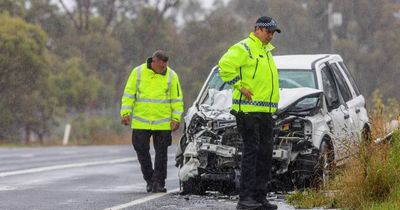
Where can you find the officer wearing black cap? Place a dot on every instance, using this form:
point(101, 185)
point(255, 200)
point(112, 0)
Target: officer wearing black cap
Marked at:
point(269, 23)
point(249, 68)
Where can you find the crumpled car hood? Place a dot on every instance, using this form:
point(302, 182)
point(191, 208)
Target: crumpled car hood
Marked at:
point(288, 96)
point(220, 103)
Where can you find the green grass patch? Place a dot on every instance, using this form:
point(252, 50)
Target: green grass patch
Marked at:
point(311, 198)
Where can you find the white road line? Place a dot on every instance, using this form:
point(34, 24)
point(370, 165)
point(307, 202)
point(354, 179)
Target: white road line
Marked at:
point(141, 200)
point(65, 166)
point(26, 155)
point(6, 188)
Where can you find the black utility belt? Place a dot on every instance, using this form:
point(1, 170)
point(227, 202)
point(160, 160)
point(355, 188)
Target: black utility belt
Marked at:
point(241, 113)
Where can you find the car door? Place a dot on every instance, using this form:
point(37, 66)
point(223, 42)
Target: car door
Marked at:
point(347, 97)
point(338, 112)
point(357, 102)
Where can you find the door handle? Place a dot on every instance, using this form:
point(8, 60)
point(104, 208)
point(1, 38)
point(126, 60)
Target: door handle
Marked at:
point(346, 116)
point(357, 110)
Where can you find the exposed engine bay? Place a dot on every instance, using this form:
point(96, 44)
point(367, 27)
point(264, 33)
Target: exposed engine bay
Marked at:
point(210, 149)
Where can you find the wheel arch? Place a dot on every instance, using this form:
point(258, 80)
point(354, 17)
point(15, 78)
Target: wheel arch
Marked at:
point(324, 136)
point(328, 139)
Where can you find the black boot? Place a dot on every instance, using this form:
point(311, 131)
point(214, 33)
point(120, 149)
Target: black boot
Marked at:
point(158, 188)
point(149, 186)
point(265, 203)
point(248, 203)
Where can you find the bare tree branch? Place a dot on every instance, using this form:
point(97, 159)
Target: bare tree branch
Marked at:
point(86, 6)
point(168, 4)
point(110, 15)
point(70, 15)
point(79, 5)
point(158, 2)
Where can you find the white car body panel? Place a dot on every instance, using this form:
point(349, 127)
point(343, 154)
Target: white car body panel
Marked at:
point(289, 96)
point(344, 132)
point(303, 120)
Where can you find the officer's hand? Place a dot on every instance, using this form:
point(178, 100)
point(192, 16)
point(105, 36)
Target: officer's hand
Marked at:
point(174, 125)
point(125, 120)
point(246, 93)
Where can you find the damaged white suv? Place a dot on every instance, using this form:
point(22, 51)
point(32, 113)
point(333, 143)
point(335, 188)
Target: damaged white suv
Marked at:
point(320, 115)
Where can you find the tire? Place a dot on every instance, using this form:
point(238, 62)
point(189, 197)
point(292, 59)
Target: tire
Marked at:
point(366, 135)
point(280, 184)
point(228, 188)
point(314, 169)
point(325, 166)
point(193, 186)
point(182, 146)
point(303, 170)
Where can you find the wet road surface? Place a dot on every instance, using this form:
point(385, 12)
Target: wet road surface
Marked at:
point(93, 177)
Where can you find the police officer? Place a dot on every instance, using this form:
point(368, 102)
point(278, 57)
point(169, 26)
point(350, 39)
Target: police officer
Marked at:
point(153, 98)
point(249, 68)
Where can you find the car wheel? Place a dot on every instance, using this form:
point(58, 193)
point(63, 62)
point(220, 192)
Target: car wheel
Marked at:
point(366, 135)
point(228, 188)
point(179, 156)
point(325, 166)
point(193, 186)
point(303, 169)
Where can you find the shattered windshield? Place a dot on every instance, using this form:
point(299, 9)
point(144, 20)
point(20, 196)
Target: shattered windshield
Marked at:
point(296, 78)
point(287, 79)
point(217, 93)
point(305, 104)
point(217, 83)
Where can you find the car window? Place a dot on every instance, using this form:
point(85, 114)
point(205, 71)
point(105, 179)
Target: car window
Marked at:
point(217, 83)
point(341, 82)
point(347, 72)
point(296, 78)
point(305, 104)
point(330, 90)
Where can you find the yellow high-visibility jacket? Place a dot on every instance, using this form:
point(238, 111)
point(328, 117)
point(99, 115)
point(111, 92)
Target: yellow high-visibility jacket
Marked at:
point(249, 64)
point(153, 99)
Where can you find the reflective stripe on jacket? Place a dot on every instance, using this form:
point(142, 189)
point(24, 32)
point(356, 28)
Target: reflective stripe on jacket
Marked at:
point(249, 64)
point(153, 100)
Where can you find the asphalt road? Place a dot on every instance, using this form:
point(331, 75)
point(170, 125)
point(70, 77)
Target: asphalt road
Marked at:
point(92, 177)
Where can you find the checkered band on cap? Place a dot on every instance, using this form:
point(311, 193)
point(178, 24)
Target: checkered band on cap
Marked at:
point(270, 24)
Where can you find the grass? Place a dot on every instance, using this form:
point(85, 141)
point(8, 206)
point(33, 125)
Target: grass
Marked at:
point(4, 143)
point(370, 179)
point(103, 138)
point(97, 138)
point(311, 198)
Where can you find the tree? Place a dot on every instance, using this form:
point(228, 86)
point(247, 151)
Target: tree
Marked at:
point(75, 85)
point(47, 14)
point(201, 45)
point(13, 7)
point(370, 43)
point(23, 67)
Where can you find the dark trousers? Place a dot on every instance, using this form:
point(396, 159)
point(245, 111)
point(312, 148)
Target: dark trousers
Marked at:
point(141, 143)
point(256, 130)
